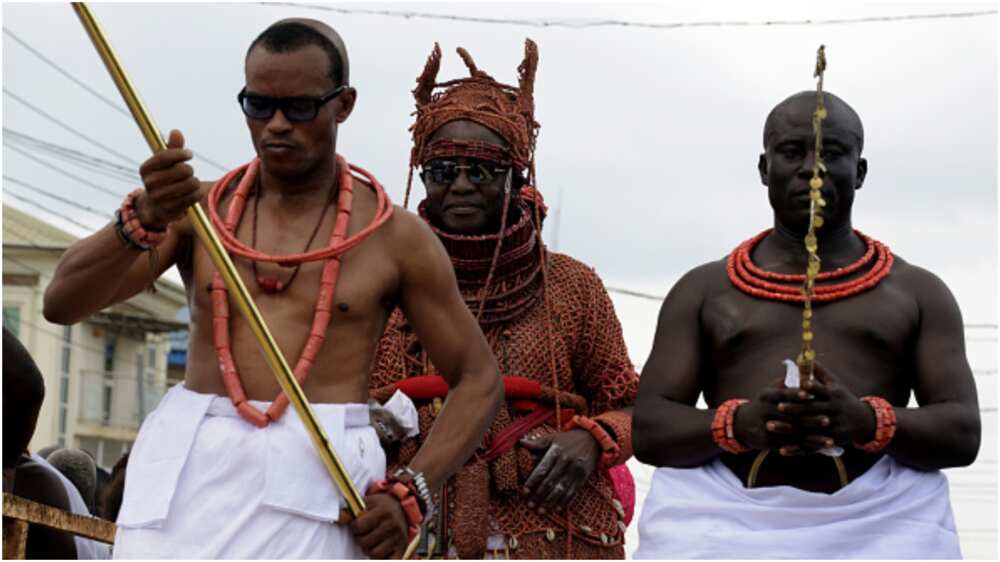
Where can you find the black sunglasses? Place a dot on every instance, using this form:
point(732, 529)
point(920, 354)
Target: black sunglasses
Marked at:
point(296, 109)
point(445, 172)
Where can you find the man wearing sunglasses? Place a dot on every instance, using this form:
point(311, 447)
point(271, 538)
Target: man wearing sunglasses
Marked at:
point(544, 484)
point(326, 259)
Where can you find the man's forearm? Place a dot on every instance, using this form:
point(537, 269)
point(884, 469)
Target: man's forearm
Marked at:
point(669, 433)
point(936, 436)
point(94, 267)
point(459, 428)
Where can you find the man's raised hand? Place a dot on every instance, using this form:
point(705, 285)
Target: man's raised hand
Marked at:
point(171, 186)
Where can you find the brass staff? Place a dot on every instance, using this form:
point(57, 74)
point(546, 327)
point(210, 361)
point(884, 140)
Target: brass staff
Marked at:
point(234, 282)
point(807, 357)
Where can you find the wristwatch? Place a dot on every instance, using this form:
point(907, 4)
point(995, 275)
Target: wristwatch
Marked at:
point(407, 475)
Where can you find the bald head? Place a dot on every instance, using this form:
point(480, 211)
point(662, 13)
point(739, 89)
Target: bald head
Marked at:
point(295, 33)
point(801, 106)
point(79, 468)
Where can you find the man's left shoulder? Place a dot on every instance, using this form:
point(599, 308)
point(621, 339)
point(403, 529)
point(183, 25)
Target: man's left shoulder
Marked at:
point(918, 282)
point(913, 277)
point(406, 229)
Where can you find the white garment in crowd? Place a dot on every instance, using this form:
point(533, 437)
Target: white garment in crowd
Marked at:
point(202, 482)
point(890, 512)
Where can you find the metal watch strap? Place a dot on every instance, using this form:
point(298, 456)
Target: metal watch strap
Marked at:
point(422, 488)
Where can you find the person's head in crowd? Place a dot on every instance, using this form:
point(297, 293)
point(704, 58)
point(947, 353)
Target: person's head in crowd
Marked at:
point(79, 468)
point(23, 392)
point(44, 452)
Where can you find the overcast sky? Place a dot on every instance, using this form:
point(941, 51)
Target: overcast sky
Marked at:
point(649, 137)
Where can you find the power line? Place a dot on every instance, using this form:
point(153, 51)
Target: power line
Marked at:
point(592, 23)
point(95, 212)
point(631, 293)
point(72, 78)
point(79, 160)
point(117, 107)
point(60, 123)
point(66, 153)
point(28, 201)
point(88, 183)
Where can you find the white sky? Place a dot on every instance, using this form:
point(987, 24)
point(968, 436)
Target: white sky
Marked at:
point(649, 138)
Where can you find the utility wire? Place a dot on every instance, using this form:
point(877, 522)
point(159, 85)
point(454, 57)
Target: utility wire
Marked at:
point(592, 23)
point(123, 172)
point(28, 201)
point(632, 293)
point(116, 106)
point(101, 214)
point(58, 122)
point(78, 160)
point(72, 78)
point(75, 177)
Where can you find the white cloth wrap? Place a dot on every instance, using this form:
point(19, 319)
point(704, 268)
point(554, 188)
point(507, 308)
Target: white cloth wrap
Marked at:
point(890, 512)
point(202, 482)
point(405, 411)
point(86, 549)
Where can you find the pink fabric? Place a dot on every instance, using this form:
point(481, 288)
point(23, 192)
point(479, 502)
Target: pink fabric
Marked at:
point(624, 485)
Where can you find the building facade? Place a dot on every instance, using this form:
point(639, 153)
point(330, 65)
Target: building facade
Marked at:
point(102, 375)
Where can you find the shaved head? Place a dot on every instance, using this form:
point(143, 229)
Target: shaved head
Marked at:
point(806, 101)
point(295, 33)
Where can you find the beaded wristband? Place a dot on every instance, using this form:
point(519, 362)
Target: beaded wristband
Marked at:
point(122, 235)
point(885, 424)
point(609, 449)
point(131, 228)
point(406, 499)
point(722, 427)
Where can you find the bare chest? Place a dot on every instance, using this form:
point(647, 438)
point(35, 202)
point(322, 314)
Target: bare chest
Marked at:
point(365, 285)
point(865, 340)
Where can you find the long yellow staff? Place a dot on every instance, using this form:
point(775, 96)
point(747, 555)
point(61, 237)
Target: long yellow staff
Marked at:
point(234, 282)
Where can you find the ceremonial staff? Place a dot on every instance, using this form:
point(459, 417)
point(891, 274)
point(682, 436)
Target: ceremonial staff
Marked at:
point(289, 384)
point(806, 359)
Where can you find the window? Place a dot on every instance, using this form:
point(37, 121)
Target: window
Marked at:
point(12, 319)
point(109, 367)
point(109, 352)
point(106, 403)
point(62, 424)
point(66, 348)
